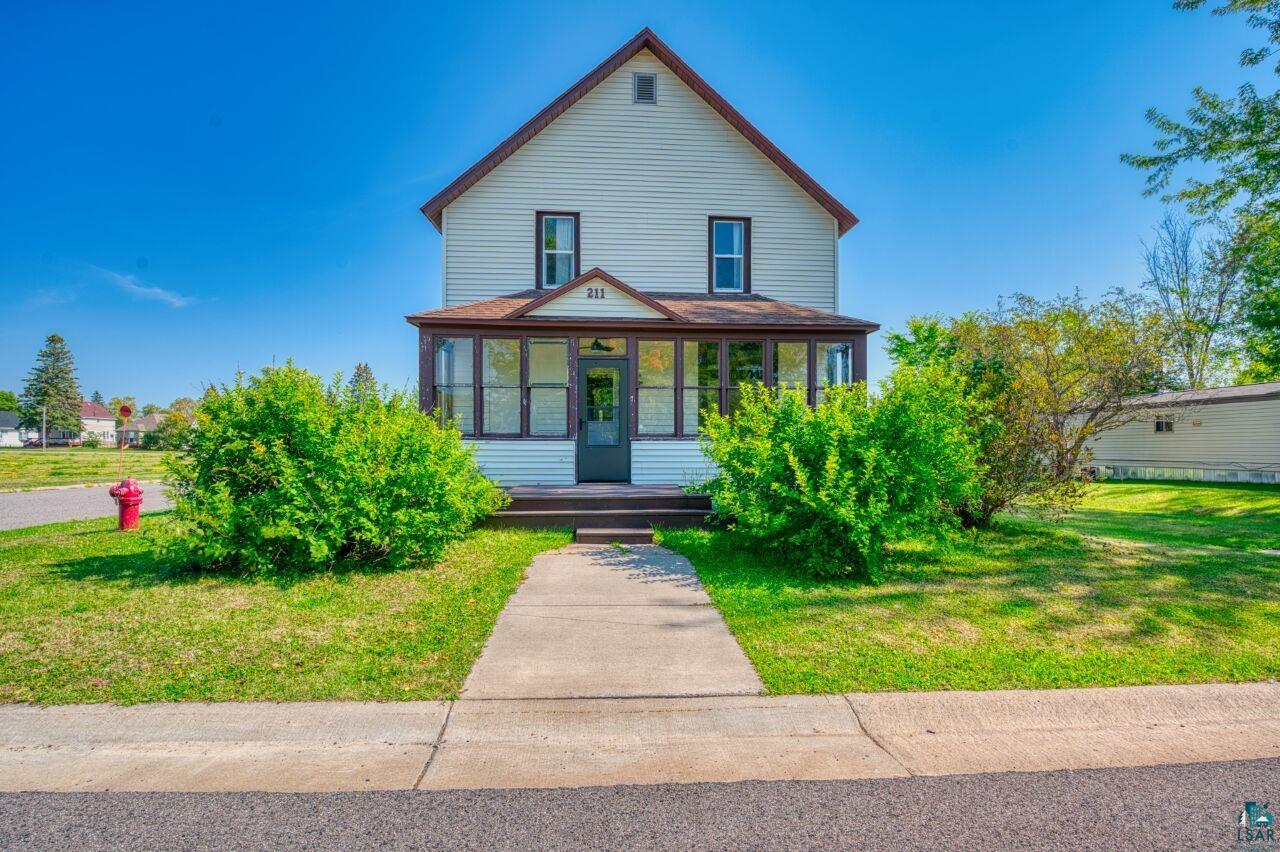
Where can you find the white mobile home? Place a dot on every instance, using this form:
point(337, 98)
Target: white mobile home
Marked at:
point(1229, 434)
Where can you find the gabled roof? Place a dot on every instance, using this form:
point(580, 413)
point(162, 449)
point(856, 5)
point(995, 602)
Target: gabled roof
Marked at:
point(594, 274)
point(9, 419)
point(95, 411)
point(646, 39)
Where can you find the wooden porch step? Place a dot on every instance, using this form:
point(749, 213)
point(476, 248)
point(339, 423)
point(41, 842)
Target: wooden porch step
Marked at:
point(610, 535)
point(597, 518)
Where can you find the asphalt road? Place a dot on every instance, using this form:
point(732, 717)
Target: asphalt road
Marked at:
point(1171, 807)
point(50, 505)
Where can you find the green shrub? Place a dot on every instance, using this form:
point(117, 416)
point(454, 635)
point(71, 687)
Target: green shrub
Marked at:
point(284, 474)
point(171, 433)
point(829, 487)
point(91, 442)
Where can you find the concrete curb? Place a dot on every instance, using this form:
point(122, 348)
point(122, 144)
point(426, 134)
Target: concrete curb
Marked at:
point(585, 742)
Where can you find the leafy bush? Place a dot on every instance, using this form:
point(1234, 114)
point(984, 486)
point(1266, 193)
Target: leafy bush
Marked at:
point(171, 433)
point(284, 474)
point(91, 442)
point(832, 485)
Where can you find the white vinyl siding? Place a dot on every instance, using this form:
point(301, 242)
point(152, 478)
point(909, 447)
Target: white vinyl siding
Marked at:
point(526, 462)
point(596, 298)
point(673, 462)
point(644, 179)
point(1240, 436)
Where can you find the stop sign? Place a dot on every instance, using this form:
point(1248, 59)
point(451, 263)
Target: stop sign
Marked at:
point(125, 411)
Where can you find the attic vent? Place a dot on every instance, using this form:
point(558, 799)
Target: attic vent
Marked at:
point(644, 88)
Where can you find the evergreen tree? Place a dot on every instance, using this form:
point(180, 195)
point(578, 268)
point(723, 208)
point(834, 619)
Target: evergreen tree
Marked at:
point(362, 384)
point(97, 397)
point(52, 384)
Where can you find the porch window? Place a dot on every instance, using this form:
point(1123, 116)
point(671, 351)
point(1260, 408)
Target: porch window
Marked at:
point(455, 396)
point(746, 364)
point(729, 250)
point(558, 256)
point(601, 347)
point(656, 395)
point(500, 378)
point(791, 363)
point(548, 386)
point(835, 366)
point(700, 382)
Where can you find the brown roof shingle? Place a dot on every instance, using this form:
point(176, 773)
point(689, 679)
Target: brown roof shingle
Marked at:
point(747, 309)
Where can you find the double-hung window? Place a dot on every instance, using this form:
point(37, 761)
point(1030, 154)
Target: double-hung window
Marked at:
point(558, 254)
point(656, 397)
point(548, 386)
point(454, 380)
point(835, 366)
point(500, 376)
point(729, 255)
point(700, 383)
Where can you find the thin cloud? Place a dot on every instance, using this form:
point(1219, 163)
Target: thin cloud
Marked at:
point(145, 292)
point(50, 298)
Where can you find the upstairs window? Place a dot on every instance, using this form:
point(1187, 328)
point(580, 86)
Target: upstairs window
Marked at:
point(729, 255)
point(558, 255)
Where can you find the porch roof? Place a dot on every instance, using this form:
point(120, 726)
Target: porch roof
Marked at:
point(734, 310)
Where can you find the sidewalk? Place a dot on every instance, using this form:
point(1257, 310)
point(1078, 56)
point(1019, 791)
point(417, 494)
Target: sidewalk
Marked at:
point(585, 742)
point(70, 503)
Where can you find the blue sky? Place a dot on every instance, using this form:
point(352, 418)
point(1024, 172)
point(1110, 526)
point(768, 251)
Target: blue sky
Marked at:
point(189, 189)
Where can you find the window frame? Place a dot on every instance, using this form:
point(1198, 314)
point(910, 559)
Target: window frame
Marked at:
point(482, 427)
point(435, 386)
point(1164, 424)
point(745, 221)
point(527, 386)
point(538, 249)
point(675, 387)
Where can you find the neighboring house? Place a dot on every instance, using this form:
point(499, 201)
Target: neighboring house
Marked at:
point(11, 435)
point(95, 421)
point(1229, 434)
point(133, 431)
point(625, 260)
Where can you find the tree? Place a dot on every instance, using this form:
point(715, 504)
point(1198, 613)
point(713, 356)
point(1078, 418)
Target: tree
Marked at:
point(1194, 286)
point(117, 402)
point(1236, 138)
point(362, 384)
point(97, 398)
point(185, 406)
point(8, 401)
point(1041, 378)
point(150, 408)
point(52, 387)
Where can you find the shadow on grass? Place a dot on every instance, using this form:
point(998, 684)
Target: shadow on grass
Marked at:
point(1044, 578)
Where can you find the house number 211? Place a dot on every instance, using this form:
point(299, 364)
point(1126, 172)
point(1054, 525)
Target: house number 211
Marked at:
point(595, 292)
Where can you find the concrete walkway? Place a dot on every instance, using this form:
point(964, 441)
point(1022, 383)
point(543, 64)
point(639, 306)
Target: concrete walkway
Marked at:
point(587, 742)
point(593, 621)
point(50, 505)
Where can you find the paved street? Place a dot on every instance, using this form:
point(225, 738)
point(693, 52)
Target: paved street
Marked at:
point(47, 506)
point(1171, 807)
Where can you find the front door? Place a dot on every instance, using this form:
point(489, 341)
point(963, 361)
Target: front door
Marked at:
point(604, 428)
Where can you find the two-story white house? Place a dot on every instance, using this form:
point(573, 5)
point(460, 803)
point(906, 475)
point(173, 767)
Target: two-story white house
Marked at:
point(622, 263)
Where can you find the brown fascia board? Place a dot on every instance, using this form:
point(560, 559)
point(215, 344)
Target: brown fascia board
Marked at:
point(666, 326)
point(645, 39)
point(593, 274)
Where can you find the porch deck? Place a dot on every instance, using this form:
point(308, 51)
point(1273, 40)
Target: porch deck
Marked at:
point(603, 511)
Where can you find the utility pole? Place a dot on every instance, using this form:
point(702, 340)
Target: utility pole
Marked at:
point(44, 427)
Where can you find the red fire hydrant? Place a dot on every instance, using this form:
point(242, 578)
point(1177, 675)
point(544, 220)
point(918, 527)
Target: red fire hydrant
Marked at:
point(128, 496)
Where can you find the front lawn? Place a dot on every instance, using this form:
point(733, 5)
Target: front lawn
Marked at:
point(88, 614)
point(1147, 583)
point(21, 469)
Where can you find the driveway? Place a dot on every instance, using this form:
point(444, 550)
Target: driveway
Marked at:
point(50, 505)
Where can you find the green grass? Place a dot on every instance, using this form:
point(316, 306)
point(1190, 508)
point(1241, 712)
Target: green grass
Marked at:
point(21, 469)
point(1147, 583)
point(89, 614)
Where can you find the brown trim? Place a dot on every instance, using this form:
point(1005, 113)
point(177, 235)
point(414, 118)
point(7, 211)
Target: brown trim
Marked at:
point(591, 275)
point(646, 39)
point(711, 253)
point(534, 325)
point(537, 244)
